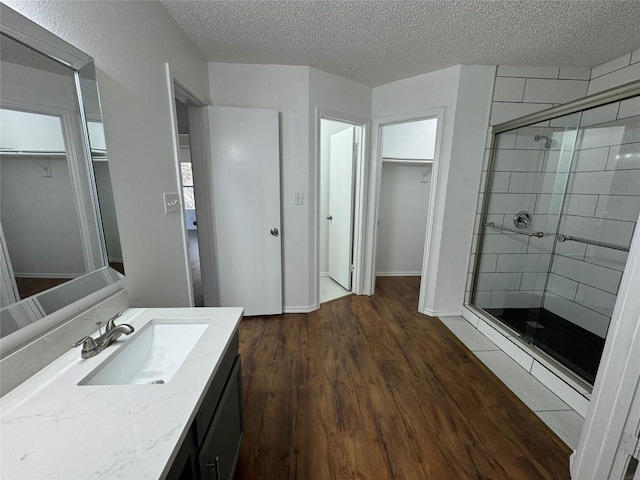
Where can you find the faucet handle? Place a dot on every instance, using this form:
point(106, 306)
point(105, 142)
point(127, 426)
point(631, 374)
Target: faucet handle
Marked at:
point(87, 343)
point(111, 323)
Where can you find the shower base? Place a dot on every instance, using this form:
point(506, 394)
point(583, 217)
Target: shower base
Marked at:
point(576, 348)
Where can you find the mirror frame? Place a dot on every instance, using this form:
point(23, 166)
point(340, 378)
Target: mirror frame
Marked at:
point(29, 33)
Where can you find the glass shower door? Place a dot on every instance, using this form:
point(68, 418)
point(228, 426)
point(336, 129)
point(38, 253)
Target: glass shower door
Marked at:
point(599, 216)
point(560, 210)
point(528, 177)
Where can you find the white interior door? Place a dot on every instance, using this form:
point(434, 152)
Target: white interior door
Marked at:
point(245, 156)
point(341, 184)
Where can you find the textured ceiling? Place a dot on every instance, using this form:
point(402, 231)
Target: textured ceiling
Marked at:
point(376, 42)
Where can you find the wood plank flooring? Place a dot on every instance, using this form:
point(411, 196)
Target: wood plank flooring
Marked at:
point(367, 388)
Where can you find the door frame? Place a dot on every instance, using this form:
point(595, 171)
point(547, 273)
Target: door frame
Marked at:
point(375, 182)
point(201, 165)
point(360, 201)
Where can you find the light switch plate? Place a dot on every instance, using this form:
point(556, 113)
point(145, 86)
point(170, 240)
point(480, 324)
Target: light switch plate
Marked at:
point(171, 202)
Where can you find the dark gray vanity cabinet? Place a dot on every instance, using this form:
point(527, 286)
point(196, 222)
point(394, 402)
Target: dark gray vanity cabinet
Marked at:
point(210, 450)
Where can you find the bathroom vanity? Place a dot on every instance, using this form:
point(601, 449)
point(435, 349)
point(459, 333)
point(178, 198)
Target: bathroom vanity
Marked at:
point(105, 416)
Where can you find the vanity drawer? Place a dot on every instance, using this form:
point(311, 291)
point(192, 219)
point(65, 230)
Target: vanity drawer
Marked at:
point(212, 398)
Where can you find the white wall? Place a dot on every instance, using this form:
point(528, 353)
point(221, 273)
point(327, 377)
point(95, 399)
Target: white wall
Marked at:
point(404, 203)
point(328, 128)
point(130, 43)
point(411, 140)
point(465, 93)
point(39, 218)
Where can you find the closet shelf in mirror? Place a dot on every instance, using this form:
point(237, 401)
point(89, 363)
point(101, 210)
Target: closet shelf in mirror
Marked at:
point(422, 161)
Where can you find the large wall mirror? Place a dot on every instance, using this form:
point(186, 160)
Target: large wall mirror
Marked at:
point(59, 236)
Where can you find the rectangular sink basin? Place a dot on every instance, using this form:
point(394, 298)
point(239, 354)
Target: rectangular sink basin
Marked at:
point(152, 356)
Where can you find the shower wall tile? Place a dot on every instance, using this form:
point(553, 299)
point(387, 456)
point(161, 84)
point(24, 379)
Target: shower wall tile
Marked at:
point(595, 299)
point(575, 73)
point(528, 72)
point(517, 161)
point(557, 161)
point(578, 314)
point(562, 286)
point(510, 202)
point(504, 111)
point(534, 183)
point(615, 78)
point(594, 159)
point(605, 136)
point(554, 91)
point(629, 107)
point(606, 257)
point(602, 183)
point(580, 205)
point(618, 207)
point(483, 299)
point(488, 262)
point(605, 113)
point(611, 66)
point(508, 89)
point(573, 250)
point(533, 281)
point(507, 139)
point(498, 281)
point(548, 203)
point(624, 157)
point(522, 263)
point(603, 230)
point(587, 273)
point(499, 182)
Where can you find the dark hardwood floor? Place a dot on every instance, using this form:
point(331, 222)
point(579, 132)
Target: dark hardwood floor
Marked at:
point(367, 388)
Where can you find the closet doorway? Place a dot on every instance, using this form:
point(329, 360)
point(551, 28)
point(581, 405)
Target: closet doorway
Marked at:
point(406, 154)
point(340, 164)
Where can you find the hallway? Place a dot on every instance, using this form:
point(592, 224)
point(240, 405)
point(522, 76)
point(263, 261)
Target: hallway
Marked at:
point(368, 388)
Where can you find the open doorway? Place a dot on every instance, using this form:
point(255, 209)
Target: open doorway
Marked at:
point(193, 169)
point(406, 154)
point(340, 155)
point(189, 203)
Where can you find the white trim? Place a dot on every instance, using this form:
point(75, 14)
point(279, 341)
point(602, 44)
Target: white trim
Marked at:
point(360, 215)
point(399, 274)
point(456, 312)
point(615, 405)
point(49, 275)
point(309, 309)
point(177, 90)
point(175, 143)
point(375, 187)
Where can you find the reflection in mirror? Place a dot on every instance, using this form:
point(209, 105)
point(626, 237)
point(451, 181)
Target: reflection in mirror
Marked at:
point(54, 175)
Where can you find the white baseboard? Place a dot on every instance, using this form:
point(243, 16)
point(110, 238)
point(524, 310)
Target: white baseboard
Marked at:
point(456, 312)
point(117, 260)
point(398, 274)
point(309, 309)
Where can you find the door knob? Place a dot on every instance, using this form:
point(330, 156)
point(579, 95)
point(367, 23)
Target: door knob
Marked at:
point(195, 223)
point(275, 232)
point(330, 217)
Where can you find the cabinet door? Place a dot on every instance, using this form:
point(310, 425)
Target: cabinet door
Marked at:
point(221, 446)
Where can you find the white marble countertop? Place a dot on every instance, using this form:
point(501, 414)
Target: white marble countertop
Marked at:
point(53, 428)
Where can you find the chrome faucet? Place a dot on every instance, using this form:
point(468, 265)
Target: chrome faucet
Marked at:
point(93, 346)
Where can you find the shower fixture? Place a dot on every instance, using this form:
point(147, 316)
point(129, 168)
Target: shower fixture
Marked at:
point(547, 144)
